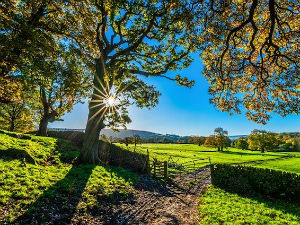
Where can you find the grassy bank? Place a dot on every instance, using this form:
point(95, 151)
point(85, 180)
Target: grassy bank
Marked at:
point(220, 207)
point(50, 188)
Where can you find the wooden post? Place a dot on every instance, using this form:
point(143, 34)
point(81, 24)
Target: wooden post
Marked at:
point(194, 171)
point(154, 167)
point(166, 170)
point(148, 163)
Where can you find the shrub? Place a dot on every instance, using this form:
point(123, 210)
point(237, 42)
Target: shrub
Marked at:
point(250, 180)
point(287, 147)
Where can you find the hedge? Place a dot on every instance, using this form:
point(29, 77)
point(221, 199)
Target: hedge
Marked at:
point(250, 180)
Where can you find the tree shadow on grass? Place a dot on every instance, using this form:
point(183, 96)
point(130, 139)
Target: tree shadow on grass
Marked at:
point(58, 203)
point(255, 153)
point(13, 153)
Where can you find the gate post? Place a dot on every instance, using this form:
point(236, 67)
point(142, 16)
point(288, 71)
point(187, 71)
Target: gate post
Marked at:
point(154, 167)
point(166, 170)
point(194, 171)
point(148, 163)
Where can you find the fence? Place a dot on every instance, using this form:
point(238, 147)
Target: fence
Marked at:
point(169, 169)
point(114, 155)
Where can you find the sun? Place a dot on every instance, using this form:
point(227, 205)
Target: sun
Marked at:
point(110, 101)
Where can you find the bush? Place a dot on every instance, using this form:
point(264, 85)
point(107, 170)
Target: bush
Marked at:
point(250, 180)
point(287, 147)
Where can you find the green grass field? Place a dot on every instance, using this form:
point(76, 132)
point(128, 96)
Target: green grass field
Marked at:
point(220, 207)
point(51, 182)
point(186, 152)
point(289, 165)
point(27, 189)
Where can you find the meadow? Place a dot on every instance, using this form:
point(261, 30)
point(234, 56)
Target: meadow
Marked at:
point(217, 206)
point(52, 185)
point(182, 153)
point(52, 188)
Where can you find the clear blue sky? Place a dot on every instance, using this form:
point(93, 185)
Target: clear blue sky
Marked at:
point(185, 111)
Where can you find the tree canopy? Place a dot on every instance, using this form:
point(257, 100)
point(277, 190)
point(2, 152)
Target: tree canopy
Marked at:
point(250, 50)
point(262, 140)
point(251, 55)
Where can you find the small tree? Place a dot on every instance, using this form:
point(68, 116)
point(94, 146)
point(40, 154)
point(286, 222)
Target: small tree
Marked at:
point(221, 138)
point(61, 82)
point(16, 117)
point(196, 140)
point(137, 139)
point(210, 141)
point(262, 140)
point(19, 115)
point(240, 143)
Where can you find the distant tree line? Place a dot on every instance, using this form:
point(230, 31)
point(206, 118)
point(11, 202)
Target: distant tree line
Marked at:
point(258, 140)
point(269, 141)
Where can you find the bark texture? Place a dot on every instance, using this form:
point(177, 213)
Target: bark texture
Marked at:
point(90, 149)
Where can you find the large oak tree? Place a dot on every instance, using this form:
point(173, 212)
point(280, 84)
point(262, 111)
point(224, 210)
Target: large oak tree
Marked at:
point(135, 39)
point(250, 49)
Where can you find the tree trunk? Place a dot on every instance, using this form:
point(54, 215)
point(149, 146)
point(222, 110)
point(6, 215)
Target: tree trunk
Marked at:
point(90, 150)
point(43, 126)
point(12, 125)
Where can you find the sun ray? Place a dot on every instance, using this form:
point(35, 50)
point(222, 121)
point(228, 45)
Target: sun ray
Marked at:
point(99, 96)
point(123, 89)
point(95, 106)
point(93, 116)
point(100, 82)
point(106, 91)
point(98, 121)
point(98, 100)
point(101, 93)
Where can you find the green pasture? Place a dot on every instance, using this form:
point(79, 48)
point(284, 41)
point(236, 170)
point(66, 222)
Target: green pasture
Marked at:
point(182, 153)
point(288, 165)
point(30, 190)
point(217, 206)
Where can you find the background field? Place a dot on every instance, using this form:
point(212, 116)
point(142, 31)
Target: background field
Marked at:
point(181, 153)
point(31, 189)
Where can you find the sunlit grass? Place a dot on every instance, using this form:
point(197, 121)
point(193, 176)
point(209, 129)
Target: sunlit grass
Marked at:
point(220, 207)
point(53, 177)
point(289, 165)
point(181, 153)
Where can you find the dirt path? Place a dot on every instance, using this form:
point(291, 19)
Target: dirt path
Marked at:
point(159, 203)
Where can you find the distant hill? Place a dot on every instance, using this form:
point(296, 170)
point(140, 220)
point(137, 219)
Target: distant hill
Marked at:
point(237, 136)
point(129, 133)
point(143, 134)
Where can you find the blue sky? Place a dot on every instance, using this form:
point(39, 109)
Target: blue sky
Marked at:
point(185, 111)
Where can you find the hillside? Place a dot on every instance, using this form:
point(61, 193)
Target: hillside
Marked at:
point(129, 133)
point(143, 134)
point(39, 184)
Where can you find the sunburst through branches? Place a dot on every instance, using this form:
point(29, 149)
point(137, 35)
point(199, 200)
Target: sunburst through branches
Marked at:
point(107, 99)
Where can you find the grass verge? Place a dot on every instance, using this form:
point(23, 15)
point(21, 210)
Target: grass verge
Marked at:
point(220, 207)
